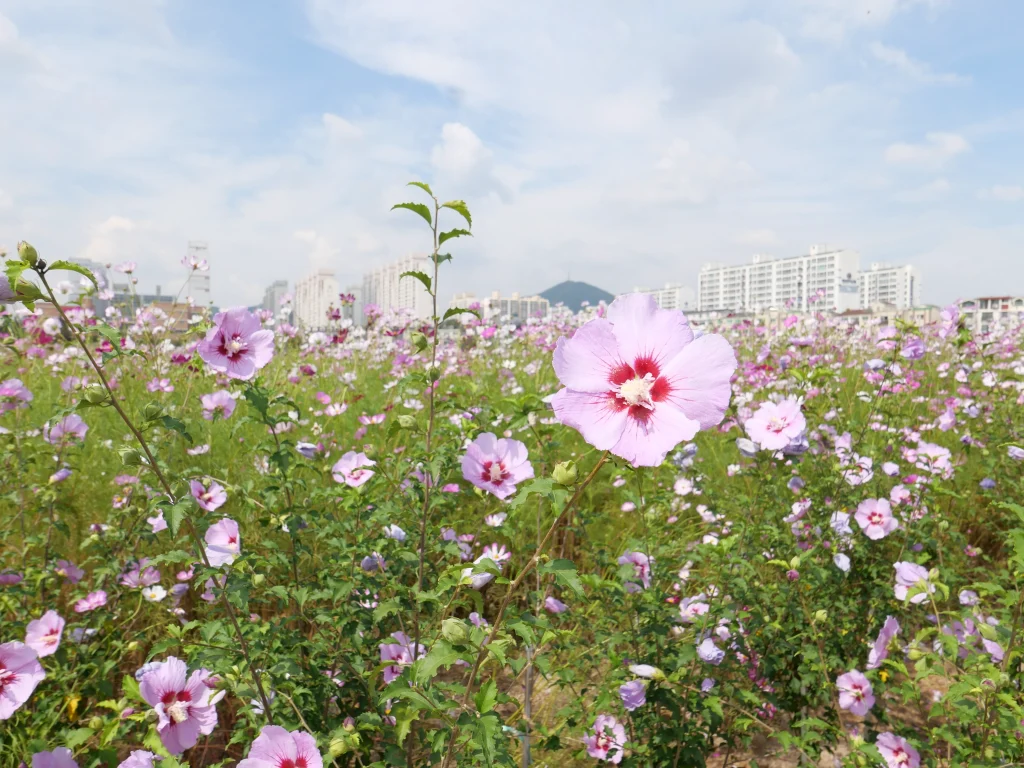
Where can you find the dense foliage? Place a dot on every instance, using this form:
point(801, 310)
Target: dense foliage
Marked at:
point(399, 546)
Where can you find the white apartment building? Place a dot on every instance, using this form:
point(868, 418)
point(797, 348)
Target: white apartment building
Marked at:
point(273, 298)
point(514, 308)
point(825, 278)
point(315, 294)
point(386, 287)
point(886, 284)
point(198, 286)
point(986, 313)
point(672, 296)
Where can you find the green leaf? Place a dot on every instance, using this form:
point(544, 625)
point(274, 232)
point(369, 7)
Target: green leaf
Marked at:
point(459, 206)
point(385, 609)
point(111, 334)
point(13, 270)
point(445, 236)
point(404, 718)
point(423, 278)
point(130, 688)
point(484, 731)
point(176, 425)
point(459, 311)
point(419, 208)
point(565, 574)
point(422, 185)
point(441, 258)
point(176, 514)
point(70, 266)
point(77, 738)
point(541, 485)
point(486, 697)
point(442, 654)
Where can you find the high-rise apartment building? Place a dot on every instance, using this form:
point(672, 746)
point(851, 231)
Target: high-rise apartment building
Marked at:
point(672, 296)
point(273, 300)
point(824, 278)
point(391, 292)
point(987, 313)
point(514, 308)
point(198, 286)
point(315, 294)
point(886, 284)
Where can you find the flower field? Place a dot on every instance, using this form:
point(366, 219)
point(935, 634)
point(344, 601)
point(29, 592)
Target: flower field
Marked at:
point(601, 537)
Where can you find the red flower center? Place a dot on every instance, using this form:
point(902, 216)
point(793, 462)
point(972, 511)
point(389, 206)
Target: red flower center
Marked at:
point(233, 347)
point(494, 472)
point(638, 387)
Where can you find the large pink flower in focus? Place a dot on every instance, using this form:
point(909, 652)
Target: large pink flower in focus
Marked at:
point(495, 465)
point(277, 748)
point(637, 382)
point(776, 425)
point(43, 635)
point(223, 542)
point(855, 692)
point(874, 516)
point(237, 345)
point(897, 751)
point(184, 704)
point(20, 673)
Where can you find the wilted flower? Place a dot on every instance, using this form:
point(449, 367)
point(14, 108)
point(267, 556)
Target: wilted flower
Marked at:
point(91, 602)
point(641, 568)
point(709, 652)
point(880, 648)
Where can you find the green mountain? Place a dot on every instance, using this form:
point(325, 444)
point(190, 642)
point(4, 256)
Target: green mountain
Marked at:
point(573, 293)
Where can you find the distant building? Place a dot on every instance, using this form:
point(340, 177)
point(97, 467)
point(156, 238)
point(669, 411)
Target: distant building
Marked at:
point(391, 292)
point(99, 301)
point(274, 300)
point(198, 285)
point(825, 278)
point(886, 284)
point(353, 311)
point(672, 296)
point(514, 308)
point(315, 294)
point(985, 314)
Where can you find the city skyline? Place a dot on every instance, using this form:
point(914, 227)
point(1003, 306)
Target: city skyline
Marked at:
point(283, 135)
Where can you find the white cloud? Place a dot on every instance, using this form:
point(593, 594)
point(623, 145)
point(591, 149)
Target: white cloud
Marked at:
point(916, 70)
point(6, 201)
point(1003, 193)
point(926, 193)
point(320, 253)
point(341, 129)
point(935, 151)
point(834, 20)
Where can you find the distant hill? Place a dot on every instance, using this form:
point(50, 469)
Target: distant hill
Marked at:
point(573, 293)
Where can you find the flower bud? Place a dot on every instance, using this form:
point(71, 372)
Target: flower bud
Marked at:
point(95, 395)
point(152, 411)
point(132, 646)
point(95, 723)
point(27, 253)
point(915, 654)
point(565, 473)
point(821, 616)
point(130, 457)
point(454, 631)
point(258, 579)
point(794, 563)
point(407, 421)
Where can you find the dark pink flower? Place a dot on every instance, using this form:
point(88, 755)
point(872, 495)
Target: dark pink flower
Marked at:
point(43, 635)
point(607, 740)
point(855, 693)
point(277, 748)
point(351, 469)
point(496, 465)
point(91, 602)
point(638, 383)
point(20, 673)
point(237, 345)
point(184, 705)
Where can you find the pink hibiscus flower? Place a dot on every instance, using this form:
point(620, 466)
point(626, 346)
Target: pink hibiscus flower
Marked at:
point(776, 425)
point(351, 470)
point(71, 427)
point(880, 648)
point(496, 465)
point(20, 673)
point(908, 576)
point(139, 758)
point(896, 751)
point(237, 345)
point(223, 542)
point(277, 748)
point(855, 693)
point(874, 516)
point(607, 740)
point(218, 403)
point(14, 394)
point(212, 498)
point(400, 652)
point(184, 705)
point(43, 635)
point(61, 757)
point(91, 602)
point(638, 383)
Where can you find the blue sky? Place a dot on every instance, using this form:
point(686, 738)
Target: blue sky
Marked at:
point(625, 143)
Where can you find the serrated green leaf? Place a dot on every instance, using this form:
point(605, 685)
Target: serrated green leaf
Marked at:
point(446, 236)
point(541, 485)
point(486, 697)
point(177, 514)
point(419, 208)
point(460, 207)
point(176, 425)
point(422, 185)
point(70, 266)
point(565, 574)
point(423, 278)
point(441, 655)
